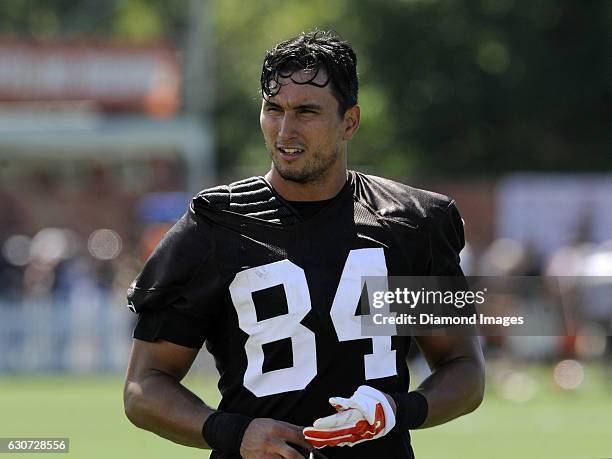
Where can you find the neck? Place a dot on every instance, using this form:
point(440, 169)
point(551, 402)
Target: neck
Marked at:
point(328, 187)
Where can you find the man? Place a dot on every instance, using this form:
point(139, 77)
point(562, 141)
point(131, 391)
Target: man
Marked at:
point(267, 272)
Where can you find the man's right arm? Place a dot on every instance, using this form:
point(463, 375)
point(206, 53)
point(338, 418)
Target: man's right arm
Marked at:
point(155, 400)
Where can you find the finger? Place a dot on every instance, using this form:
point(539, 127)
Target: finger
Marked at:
point(341, 402)
point(344, 436)
point(290, 435)
point(370, 413)
point(347, 417)
point(361, 428)
point(347, 440)
point(291, 426)
point(320, 443)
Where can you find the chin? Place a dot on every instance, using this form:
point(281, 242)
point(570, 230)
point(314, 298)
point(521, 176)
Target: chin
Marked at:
point(294, 176)
point(303, 174)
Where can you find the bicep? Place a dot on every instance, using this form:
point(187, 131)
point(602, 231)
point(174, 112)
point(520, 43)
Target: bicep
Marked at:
point(439, 350)
point(159, 357)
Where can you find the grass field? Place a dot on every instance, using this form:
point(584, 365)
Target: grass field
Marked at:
point(548, 423)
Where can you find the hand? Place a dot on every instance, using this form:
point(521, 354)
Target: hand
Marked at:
point(267, 439)
point(367, 415)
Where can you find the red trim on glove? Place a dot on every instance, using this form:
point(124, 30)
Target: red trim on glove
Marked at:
point(362, 430)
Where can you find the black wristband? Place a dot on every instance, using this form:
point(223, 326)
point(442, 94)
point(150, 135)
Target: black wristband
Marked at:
point(411, 412)
point(224, 431)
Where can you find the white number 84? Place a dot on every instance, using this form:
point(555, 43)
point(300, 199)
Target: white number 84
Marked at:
point(360, 263)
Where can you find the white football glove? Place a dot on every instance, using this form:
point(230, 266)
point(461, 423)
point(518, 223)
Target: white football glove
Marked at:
point(367, 415)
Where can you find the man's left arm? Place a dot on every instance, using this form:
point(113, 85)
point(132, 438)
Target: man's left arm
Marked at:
point(456, 384)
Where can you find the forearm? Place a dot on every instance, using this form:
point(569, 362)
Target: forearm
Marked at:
point(453, 389)
point(160, 404)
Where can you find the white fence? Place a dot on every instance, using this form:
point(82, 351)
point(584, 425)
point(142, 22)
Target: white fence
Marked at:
point(42, 336)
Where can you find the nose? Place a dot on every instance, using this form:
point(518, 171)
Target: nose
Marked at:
point(288, 127)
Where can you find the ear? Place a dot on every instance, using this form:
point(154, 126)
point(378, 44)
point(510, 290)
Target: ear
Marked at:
point(352, 118)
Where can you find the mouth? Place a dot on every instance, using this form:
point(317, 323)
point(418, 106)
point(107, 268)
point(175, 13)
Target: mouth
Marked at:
point(289, 153)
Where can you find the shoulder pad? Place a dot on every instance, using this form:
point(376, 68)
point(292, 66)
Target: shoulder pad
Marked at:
point(394, 200)
point(251, 197)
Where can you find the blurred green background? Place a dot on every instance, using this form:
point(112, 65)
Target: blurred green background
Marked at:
point(448, 87)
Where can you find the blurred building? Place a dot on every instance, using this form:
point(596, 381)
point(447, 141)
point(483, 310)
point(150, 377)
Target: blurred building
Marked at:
point(88, 131)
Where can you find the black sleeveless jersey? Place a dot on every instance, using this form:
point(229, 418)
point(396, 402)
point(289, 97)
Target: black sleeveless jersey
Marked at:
point(275, 297)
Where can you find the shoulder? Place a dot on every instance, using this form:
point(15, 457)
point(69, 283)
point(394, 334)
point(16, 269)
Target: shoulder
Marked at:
point(225, 197)
point(250, 197)
point(396, 201)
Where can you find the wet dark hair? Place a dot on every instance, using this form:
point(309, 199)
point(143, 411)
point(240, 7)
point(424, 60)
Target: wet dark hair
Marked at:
point(314, 52)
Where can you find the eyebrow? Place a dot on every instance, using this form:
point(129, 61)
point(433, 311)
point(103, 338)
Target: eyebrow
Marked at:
point(308, 107)
point(267, 103)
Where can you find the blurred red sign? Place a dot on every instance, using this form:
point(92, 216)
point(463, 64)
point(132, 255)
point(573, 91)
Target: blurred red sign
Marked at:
point(115, 77)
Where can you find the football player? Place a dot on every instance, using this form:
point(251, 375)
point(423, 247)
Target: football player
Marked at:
point(267, 273)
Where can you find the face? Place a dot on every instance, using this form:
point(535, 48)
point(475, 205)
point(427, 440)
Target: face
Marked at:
point(304, 134)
